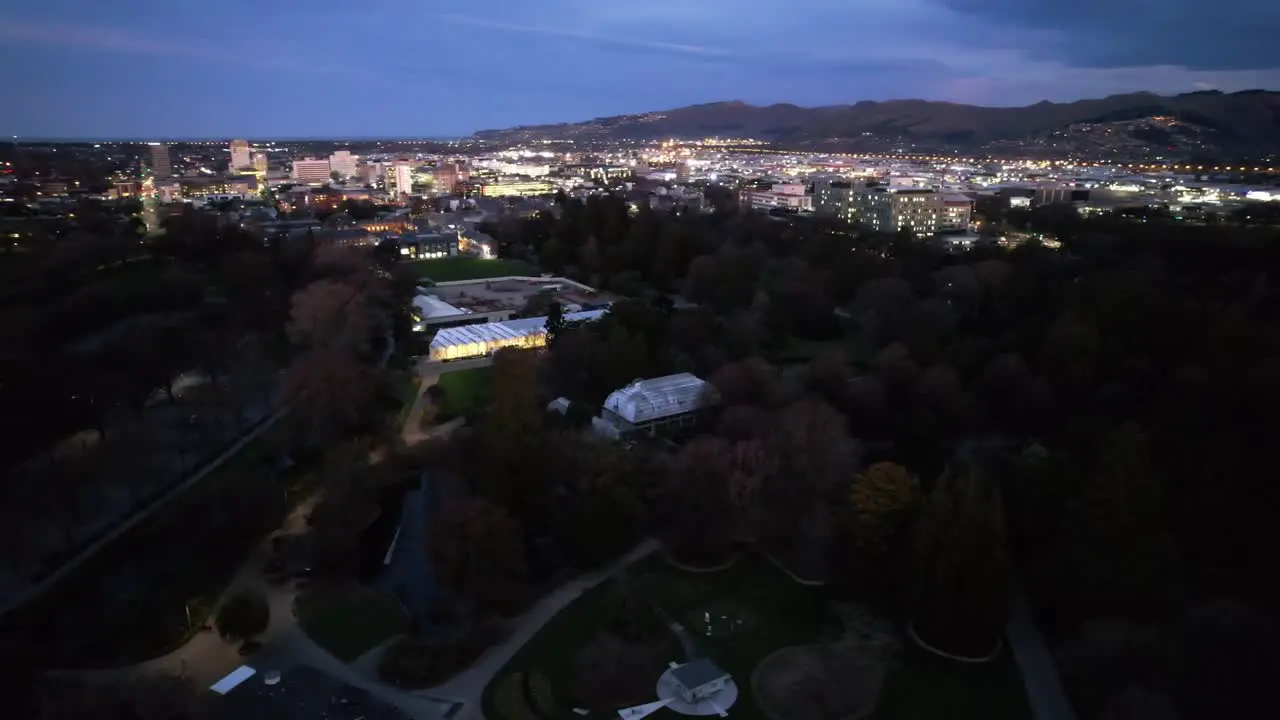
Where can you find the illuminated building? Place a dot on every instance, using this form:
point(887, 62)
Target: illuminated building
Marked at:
point(259, 162)
point(468, 341)
point(399, 178)
point(343, 163)
point(519, 188)
point(786, 196)
point(956, 210)
point(240, 156)
point(835, 198)
point(889, 210)
point(311, 170)
point(161, 166)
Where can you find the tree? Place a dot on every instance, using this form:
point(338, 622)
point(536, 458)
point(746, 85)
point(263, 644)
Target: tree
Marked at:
point(882, 505)
point(512, 440)
point(141, 697)
point(243, 616)
point(961, 581)
point(697, 508)
point(328, 314)
point(609, 673)
point(477, 552)
point(330, 392)
point(555, 322)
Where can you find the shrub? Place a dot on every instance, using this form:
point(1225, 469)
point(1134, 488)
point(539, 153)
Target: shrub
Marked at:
point(244, 615)
point(413, 663)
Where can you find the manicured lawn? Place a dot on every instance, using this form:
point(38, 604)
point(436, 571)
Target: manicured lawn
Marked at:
point(465, 390)
point(468, 268)
point(348, 622)
point(131, 601)
point(739, 616)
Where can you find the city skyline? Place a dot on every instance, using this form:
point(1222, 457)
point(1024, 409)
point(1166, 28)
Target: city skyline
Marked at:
point(393, 69)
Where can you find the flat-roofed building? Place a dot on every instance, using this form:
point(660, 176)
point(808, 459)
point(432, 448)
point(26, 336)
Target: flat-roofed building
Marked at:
point(472, 341)
point(886, 209)
point(311, 170)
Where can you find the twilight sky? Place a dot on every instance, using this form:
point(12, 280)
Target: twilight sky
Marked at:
point(376, 68)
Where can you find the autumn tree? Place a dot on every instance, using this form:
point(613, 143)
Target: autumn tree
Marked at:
point(331, 315)
point(597, 506)
point(477, 552)
point(243, 616)
point(961, 575)
point(882, 505)
point(512, 440)
point(696, 510)
point(330, 392)
point(813, 454)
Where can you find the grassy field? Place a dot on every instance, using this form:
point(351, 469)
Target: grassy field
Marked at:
point(349, 622)
point(737, 617)
point(465, 390)
point(132, 600)
point(467, 268)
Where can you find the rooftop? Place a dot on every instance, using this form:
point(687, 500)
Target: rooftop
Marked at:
point(507, 329)
point(510, 293)
point(656, 398)
point(696, 673)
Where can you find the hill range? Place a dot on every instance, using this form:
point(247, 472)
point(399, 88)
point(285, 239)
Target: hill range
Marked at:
point(1207, 123)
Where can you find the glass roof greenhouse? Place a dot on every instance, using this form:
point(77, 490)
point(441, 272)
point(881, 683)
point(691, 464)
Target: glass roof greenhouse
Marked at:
point(467, 341)
point(646, 400)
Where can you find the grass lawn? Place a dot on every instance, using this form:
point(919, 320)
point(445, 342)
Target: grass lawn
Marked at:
point(738, 617)
point(348, 622)
point(131, 601)
point(467, 268)
point(465, 390)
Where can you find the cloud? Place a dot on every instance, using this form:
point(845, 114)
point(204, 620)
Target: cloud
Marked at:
point(1195, 34)
point(103, 39)
point(592, 37)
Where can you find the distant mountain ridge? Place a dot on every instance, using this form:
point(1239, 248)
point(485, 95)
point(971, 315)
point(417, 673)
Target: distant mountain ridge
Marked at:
point(1241, 121)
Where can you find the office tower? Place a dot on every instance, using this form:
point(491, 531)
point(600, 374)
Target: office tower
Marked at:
point(161, 166)
point(887, 209)
point(240, 157)
point(399, 177)
point(311, 170)
point(260, 163)
point(343, 163)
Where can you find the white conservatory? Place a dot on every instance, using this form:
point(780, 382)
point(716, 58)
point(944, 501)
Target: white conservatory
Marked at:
point(471, 341)
point(647, 405)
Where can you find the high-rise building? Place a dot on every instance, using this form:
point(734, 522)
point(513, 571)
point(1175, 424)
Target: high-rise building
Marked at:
point(835, 198)
point(683, 171)
point(161, 166)
point(887, 209)
point(956, 212)
point(240, 156)
point(259, 161)
point(399, 177)
point(343, 163)
point(311, 170)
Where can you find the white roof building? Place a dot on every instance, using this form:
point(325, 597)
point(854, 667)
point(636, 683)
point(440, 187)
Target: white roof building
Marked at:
point(467, 341)
point(645, 401)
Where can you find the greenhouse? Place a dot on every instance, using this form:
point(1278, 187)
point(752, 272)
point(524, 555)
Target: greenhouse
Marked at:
point(646, 405)
point(471, 341)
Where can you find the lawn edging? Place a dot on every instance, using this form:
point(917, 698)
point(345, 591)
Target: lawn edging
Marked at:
point(915, 637)
point(787, 571)
point(668, 559)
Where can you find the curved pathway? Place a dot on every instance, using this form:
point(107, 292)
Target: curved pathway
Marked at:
point(206, 658)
